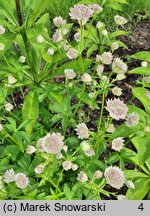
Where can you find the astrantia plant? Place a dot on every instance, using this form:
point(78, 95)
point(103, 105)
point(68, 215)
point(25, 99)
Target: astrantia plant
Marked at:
point(54, 78)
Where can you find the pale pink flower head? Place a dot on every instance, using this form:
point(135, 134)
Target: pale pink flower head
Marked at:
point(11, 80)
point(105, 32)
point(81, 13)
point(59, 156)
point(144, 64)
point(77, 37)
point(116, 108)
point(39, 145)
point(147, 129)
point(2, 46)
point(120, 20)
point(111, 128)
point(57, 36)
point(115, 45)
point(1, 127)
point(98, 174)
point(146, 79)
point(88, 150)
point(120, 77)
point(2, 30)
point(21, 180)
point(82, 177)
point(22, 59)
point(121, 197)
point(132, 119)
point(74, 167)
point(82, 131)
point(91, 94)
point(114, 177)
point(72, 53)
point(96, 8)
point(130, 184)
point(119, 67)
point(67, 165)
point(59, 21)
point(86, 78)
point(39, 169)
point(100, 69)
point(9, 176)
point(65, 148)
point(99, 24)
point(107, 58)
point(70, 74)
point(53, 143)
point(117, 144)
point(117, 91)
point(9, 107)
point(40, 39)
point(30, 149)
point(50, 52)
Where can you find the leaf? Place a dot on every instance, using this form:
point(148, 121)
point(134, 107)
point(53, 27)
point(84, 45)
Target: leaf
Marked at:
point(4, 164)
point(129, 156)
point(143, 56)
point(134, 174)
point(142, 186)
point(91, 49)
point(141, 70)
point(118, 33)
point(142, 144)
point(140, 93)
point(75, 65)
point(39, 6)
point(115, 6)
point(121, 131)
point(30, 110)
point(7, 9)
point(11, 150)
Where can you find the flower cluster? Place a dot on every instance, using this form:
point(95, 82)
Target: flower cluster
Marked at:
point(20, 179)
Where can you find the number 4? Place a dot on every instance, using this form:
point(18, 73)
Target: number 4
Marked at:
point(141, 207)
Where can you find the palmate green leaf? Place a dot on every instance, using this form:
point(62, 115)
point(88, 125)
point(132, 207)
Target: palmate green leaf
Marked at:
point(8, 10)
point(115, 6)
point(7, 39)
point(121, 131)
point(129, 156)
point(140, 93)
point(30, 110)
point(141, 70)
point(4, 163)
point(142, 187)
point(38, 7)
point(142, 144)
point(134, 174)
point(75, 65)
point(91, 49)
point(11, 150)
point(143, 56)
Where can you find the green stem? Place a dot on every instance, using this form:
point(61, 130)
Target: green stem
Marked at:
point(102, 109)
point(13, 99)
point(80, 100)
point(81, 47)
point(50, 180)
